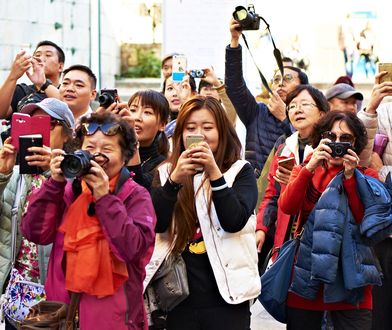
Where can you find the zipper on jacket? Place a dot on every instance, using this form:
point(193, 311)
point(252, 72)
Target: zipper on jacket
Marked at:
point(220, 261)
point(127, 304)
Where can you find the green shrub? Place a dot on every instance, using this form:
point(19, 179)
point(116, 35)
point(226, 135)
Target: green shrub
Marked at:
point(148, 66)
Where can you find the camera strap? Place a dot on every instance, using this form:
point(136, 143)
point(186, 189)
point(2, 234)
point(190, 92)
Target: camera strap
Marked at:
point(277, 55)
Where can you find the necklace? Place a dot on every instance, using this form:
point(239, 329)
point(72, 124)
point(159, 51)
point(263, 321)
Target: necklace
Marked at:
point(145, 161)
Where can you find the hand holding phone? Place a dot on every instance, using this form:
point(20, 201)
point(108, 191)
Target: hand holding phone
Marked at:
point(23, 124)
point(283, 172)
point(287, 163)
point(7, 157)
point(25, 142)
point(179, 68)
point(192, 140)
point(385, 67)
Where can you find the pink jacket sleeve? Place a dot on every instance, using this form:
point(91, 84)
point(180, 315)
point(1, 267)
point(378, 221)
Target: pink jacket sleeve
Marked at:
point(44, 213)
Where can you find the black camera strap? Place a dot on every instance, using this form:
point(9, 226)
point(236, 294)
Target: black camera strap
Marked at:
point(277, 55)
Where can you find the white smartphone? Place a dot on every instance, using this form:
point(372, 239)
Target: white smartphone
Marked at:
point(179, 68)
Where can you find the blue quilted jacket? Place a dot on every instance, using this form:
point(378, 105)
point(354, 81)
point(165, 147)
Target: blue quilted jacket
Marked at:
point(334, 249)
point(262, 128)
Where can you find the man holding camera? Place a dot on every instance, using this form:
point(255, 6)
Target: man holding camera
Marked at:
point(43, 69)
point(264, 122)
point(78, 89)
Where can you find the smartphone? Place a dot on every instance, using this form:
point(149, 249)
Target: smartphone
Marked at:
point(23, 124)
point(179, 68)
point(385, 67)
point(287, 163)
point(192, 140)
point(25, 142)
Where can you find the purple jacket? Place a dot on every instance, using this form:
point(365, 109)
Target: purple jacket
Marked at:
point(128, 222)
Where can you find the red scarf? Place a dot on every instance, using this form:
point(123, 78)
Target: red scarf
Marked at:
point(91, 267)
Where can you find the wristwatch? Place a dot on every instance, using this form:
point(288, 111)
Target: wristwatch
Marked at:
point(45, 85)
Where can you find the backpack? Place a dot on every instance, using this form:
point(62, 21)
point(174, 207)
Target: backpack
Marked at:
point(32, 96)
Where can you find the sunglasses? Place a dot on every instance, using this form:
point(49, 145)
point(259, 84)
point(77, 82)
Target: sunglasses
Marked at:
point(342, 138)
point(106, 128)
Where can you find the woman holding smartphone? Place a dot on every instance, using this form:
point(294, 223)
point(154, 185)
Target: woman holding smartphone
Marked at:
point(305, 106)
point(204, 199)
point(30, 260)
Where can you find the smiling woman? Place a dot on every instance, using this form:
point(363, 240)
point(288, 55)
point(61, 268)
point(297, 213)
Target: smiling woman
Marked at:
point(199, 186)
point(90, 227)
point(305, 106)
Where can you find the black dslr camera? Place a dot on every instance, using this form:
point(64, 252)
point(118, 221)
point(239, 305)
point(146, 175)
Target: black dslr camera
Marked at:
point(76, 164)
point(107, 97)
point(339, 149)
point(248, 18)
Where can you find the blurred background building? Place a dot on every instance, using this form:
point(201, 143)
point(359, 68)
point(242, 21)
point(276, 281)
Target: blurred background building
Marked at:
point(123, 39)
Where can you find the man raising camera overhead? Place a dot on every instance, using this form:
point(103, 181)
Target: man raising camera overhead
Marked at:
point(264, 122)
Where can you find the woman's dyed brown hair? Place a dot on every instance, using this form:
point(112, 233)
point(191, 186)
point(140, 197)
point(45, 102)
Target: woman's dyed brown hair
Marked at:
point(228, 152)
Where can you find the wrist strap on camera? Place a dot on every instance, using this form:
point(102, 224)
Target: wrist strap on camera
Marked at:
point(276, 52)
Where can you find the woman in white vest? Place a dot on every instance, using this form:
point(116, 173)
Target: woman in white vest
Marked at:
point(205, 201)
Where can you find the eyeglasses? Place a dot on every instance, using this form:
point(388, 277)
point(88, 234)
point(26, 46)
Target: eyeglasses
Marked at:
point(54, 123)
point(106, 128)
point(342, 138)
point(305, 105)
point(286, 78)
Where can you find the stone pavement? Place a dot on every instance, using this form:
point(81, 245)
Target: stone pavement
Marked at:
point(261, 320)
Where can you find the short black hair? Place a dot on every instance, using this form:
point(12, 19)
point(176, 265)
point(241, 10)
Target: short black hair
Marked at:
point(83, 68)
point(128, 140)
point(317, 96)
point(60, 52)
point(353, 122)
point(202, 84)
point(303, 77)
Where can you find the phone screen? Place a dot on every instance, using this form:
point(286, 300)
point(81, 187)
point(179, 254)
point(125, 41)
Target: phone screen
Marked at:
point(179, 68)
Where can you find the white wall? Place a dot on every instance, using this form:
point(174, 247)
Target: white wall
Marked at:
point(23, 23)
point(199, 28)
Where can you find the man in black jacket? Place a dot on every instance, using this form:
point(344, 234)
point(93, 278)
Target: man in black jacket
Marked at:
point(264, 122)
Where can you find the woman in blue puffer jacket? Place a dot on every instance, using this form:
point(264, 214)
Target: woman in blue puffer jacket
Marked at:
point(319, 281)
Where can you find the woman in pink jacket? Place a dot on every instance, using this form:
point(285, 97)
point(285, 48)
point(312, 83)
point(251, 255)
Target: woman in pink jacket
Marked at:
point(101, 226)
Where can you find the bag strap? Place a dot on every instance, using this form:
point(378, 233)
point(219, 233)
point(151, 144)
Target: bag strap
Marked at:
point(71, 311)
point(14, 218)
point(277, 55)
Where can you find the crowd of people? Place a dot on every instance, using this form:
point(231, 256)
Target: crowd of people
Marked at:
point(101, 234)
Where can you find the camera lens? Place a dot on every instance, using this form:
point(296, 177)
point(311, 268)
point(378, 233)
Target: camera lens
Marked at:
point(339, 151)
point(105, 99)
point(76, 164)
point(240, 13)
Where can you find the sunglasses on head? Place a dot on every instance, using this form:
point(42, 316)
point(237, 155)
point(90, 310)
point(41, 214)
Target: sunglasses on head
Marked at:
point(106, 128)
point(342, 138)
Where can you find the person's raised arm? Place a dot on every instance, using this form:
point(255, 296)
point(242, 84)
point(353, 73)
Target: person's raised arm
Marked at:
point(20, 65)
point(244, 102)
